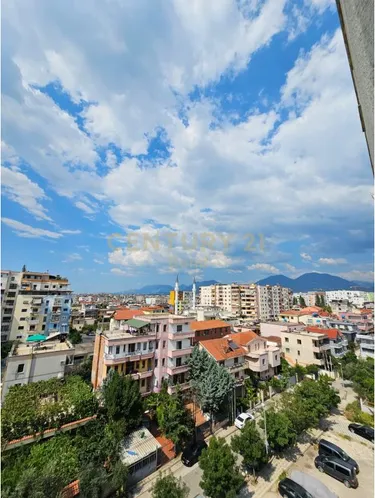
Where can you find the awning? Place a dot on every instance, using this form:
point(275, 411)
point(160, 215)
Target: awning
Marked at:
point(36, 338)
point(136, 324)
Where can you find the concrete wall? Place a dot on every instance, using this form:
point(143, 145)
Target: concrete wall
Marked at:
point(357, 22)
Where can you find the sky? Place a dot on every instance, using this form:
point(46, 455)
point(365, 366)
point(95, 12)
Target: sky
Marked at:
point(217, 140)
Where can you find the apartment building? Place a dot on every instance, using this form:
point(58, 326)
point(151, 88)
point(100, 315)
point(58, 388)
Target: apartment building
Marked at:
point(35, 361)
point(309, 297)
point(272, 299)
point(358, 298)
point(305, 348)
point(152, 348)
point(249, 301)
point(209, 329)
point(225, 296)
point(10, 284)
point(228, 354)
point(262, 358)
point(366, 345)
point(337, 341)
point(42, 305)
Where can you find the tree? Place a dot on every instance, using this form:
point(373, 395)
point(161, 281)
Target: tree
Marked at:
point(302, 302)
point(199, 363)
point(168, 486)
point(74, 336)
point(23, 268)
point(174, 420)
point(119, 478)
point(280, 430)
point(93, 481)
point(317, 396)
point(250, 445)
point(312, 369)
point(37, 484)
point(295, 302)
point(122, 400)
point(297, 412)
point(317, 300)
point(6, 346)
point(221, 477)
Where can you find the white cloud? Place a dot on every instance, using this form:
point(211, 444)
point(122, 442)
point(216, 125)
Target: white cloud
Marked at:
point(84, 207)
point(332, 261)
point(72, 257)
point(19, 188)
point(27, 231)
point(361, 276)
point(264, 268)
point(98, 262)
point(71, 232)
point(305, 256)
point(118, 271)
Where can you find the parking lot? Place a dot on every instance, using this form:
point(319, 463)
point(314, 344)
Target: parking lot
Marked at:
point(358, 448)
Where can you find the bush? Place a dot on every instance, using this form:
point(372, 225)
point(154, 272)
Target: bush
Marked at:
point(283, 475)
point(354, 414)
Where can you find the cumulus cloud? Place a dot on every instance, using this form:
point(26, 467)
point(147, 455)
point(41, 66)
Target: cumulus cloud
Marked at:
point(27, 231)
point(332, 261)
point(264, 268)
point(98, 262)
point(358, 275)
point(305, 256)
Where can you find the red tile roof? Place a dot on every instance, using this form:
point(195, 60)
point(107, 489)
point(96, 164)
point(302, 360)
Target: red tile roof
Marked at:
point(331, 333)
point(127, 314)
point(244, 338)
point(208, 324)
point(220, 348)
point(273, 338)
point(71, 490)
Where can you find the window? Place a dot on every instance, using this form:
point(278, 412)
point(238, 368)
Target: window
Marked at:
point(157, 328)
point(163, 344)
point(287, 350)
point(66, 301)
point(299, 353)
point(144, 346)
point(22, 319)
point(179, 345)
point(143, 363)
point(235, 361)
point(222, 363)
point(143, 383)
point(156, 363)
point(117, 349)
point(299, 341)
point(163, 362)
point(330, 465)
point(65, 309)
point(32, 327)
point(157, 345)
point(179, 328)
point(236, 374)
point(24, 310)
point(20, 368)
point(275, 356)
point(178, 362)
point(164, 328)
point(286, 339)
point(343, 470)
point(110, 349)
point(21, 327)
point(263, 361)
point(131, 348)
point(123, 348)
point(19, 337)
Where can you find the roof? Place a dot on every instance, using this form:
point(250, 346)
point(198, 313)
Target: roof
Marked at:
point(136, 324)
point(208, 324)
point(273, 338)
point(137, 446)
point(330, 333)
point(127, 314)
point(244, 338)
point(223, 348)
point(304, 311)
point(71, 490)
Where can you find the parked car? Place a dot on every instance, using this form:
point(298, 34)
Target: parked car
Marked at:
point(191, 453)
point(363, 431)
point(242, 419)
point(337, 468)
point(290, 489)
point(327, 448)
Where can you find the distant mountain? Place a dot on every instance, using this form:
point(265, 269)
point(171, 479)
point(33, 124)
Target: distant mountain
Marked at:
point(165, 289)
point(315, 281)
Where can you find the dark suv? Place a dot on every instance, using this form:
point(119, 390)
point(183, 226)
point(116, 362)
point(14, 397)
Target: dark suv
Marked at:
point(362, 430)
point(337, 468)
point(327, 448)
point(290, 489)
point(191, 453)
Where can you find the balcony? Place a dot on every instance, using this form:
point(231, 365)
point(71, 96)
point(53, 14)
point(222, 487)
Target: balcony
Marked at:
point(133, 355)
point(174, 370)
point(237, 368)
point(143, 375)
point(176, 336)
point(257, 366)
point(182, 387)
point(179, 352)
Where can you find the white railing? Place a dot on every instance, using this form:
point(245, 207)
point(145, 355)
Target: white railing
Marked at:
point(127, 354)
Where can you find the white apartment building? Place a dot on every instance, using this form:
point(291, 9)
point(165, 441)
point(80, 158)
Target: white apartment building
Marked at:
point(32, 362)
point(366, 345)
point(358, 298)
point(308, 297)
point(10, 284)
point(272, 299)
point(225, 296)
point(249, 302)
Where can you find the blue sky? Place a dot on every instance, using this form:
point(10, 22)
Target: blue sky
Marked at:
point(219, 140)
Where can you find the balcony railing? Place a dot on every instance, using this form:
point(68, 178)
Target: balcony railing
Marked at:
point(128, 354)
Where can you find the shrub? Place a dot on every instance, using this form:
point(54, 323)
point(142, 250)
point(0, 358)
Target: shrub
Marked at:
point(354, 414)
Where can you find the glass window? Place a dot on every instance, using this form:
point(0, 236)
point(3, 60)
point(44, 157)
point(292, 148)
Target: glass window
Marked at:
point(117, 349)
point(156, 363)
point(299, 341)
point(286, 339)
point(20, 368)
point(163, 344)
point(163, 362)
point(110, 349)
point(24, 310)
point(164, 328)
point(144, 346)
point(287, 350)
point(179, 328)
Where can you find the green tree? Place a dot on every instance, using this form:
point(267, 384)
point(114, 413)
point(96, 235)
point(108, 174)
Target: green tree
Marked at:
point(93, 481)
point(280, 430)
point(119, 478)
point(122, 400)
point(6, 346)
point(317, 300)
point(312, 369)
point(74, 336)
point(199, 363)
point(295, 301)
point(302, 302)
point(297, 412)
point(250, 445)
point(47, 483)
point(317, 396)
point(174, 420)
point(221, 477)
point(168, 486)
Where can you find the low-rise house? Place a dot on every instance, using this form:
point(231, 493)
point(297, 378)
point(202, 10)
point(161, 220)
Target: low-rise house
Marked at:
point(299, 316)
point(338, 342)
point(140, 452)
point(38, 359)
point(209, 329)
point(366, 345)
point(228, 354)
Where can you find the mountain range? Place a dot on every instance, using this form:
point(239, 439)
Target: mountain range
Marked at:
point(314, 282)
point(306, 282)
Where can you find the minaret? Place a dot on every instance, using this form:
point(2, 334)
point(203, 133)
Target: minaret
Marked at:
point(194, 293)
point(176, 297)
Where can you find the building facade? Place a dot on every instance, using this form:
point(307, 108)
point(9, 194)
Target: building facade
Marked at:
point(229, 355)
point(272, 299)
point(356, 298)
point(209, 329)
point(10, 285)
point(366, 345)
